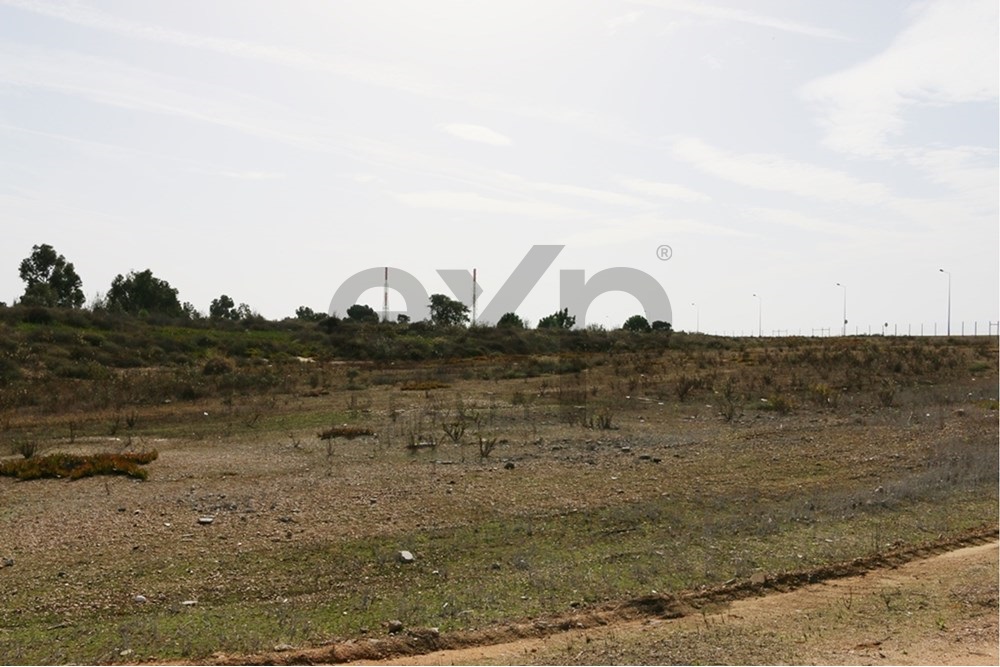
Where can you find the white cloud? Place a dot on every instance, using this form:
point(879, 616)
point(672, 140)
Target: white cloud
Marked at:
point(253, 175)
point(477, 133)
point(602, 196)
point(742, 16)
point(647, 226)
point(948, 55)
point(664, 190)
point(618, 22)
point(399, 76)
point(475, 203)
point(810, 222)
point(126, 87)
point(779, 174)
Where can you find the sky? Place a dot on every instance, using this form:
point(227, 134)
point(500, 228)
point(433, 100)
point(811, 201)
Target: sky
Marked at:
point(270, 150)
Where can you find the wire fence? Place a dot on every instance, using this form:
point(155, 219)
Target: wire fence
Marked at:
point(975, 328)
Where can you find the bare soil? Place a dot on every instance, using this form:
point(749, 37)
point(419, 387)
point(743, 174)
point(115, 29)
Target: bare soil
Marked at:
point(580, 540)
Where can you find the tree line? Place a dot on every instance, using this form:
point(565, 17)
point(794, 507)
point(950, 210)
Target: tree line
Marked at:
point(51, 281)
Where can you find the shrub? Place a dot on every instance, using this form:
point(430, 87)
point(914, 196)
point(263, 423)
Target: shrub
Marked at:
point(510, 321)
point(218, 366)
point(76, 466)
point(637, 324)
point(344, 431)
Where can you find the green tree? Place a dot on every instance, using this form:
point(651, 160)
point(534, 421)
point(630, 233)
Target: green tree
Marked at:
point(362, 313)
point(561, 319)
point(660, 325)
point(447, 311)
point(244, 312)
point(190, 311)
point(510, 321)
point(308, 314)
point(223, 308)
point(637, 323)
point(50, 280)
point(143, 292)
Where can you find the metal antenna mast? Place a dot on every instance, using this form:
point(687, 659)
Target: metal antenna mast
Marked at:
point(473, 297)
point(385, 297)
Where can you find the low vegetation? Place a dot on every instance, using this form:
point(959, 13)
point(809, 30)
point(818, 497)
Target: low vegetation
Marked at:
point(531, 473)
point(74, 466)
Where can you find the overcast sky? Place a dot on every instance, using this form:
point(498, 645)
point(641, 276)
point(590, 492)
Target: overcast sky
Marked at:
point(270, 150)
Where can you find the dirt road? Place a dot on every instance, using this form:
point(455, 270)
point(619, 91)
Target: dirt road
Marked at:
point(937, 610)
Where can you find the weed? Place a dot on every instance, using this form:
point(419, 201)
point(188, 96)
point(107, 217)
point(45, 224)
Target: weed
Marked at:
point(731, 401)
point(887, 392)
point(778, 403)
point(823, 395)
point(454, 430)
point(685, 384)
point(26, 447)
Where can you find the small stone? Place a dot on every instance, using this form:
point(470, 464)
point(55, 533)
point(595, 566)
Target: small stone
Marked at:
point(283, 647)
point(405, 557)
point(206, 520)
point(140, 599)
point(189, 603)
point(125, 652)
point(509, 465)
point(758, 579)
point(395, 627)
point(7, 562)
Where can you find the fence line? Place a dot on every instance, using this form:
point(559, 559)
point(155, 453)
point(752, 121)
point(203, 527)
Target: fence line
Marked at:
point(974, 328)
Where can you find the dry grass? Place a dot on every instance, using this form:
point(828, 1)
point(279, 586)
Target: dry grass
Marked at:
point(675, 494)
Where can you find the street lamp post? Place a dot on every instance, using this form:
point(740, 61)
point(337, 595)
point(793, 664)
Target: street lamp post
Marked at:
point(760, 316)
point(949, 299)
point(697, 317)
point(843, 329)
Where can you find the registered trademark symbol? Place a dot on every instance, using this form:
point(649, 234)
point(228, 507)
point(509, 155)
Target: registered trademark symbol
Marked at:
point(664, 252)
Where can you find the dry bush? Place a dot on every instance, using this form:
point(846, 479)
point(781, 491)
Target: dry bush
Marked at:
point(344, 431)
point(422, 385)
point(76, 466)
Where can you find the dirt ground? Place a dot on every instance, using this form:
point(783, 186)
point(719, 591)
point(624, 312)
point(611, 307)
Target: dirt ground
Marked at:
point(940, 610)
point(253, 533)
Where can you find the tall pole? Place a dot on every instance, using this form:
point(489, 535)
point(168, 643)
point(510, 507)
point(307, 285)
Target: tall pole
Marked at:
point(949, 299)
point(760, 316)
point(843, 329)
point(385, 297)
point(473, 297)
point(697, 318)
